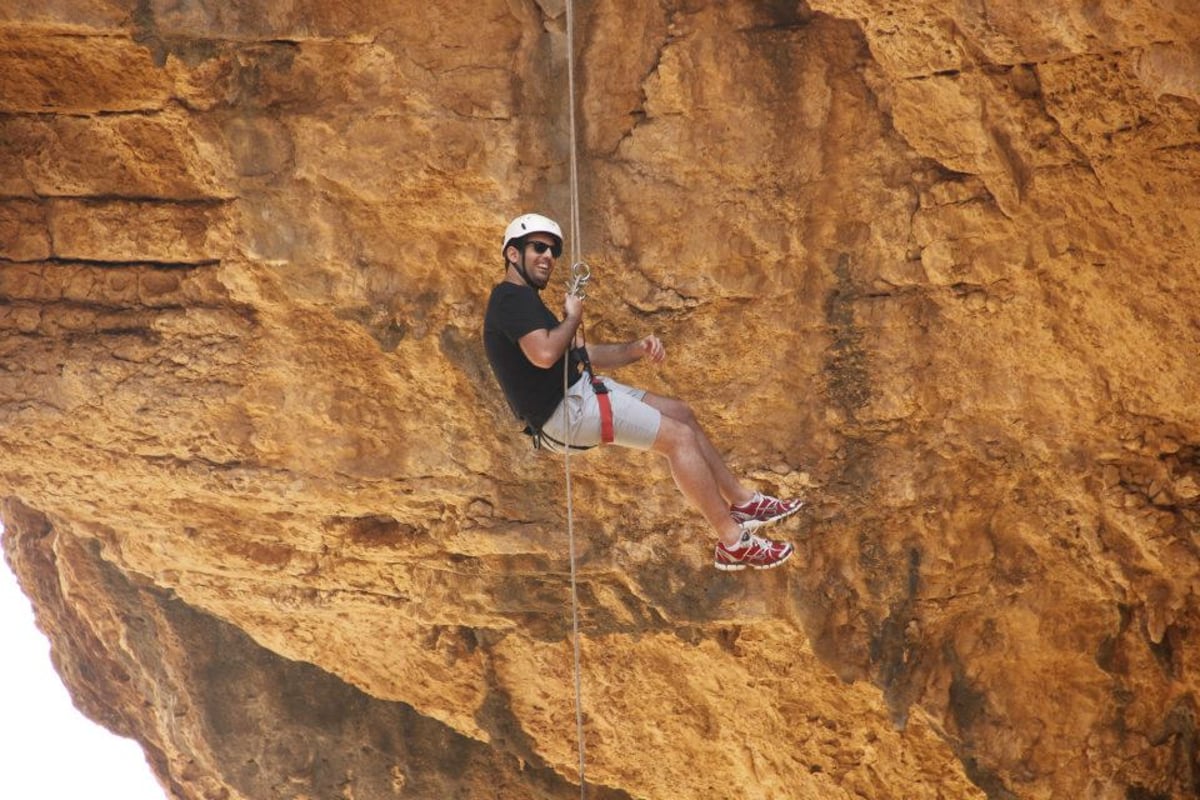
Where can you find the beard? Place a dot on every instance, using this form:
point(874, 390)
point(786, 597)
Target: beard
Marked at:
point(534, 279)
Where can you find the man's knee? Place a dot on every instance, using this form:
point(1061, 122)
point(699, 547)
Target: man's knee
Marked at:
point(675, 436)
point(679, 411)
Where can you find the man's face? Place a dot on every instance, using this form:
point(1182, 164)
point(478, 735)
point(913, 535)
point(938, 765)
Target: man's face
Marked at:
point(539, 265)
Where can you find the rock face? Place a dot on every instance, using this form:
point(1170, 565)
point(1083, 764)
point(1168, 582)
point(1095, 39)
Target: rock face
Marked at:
point(932, 265)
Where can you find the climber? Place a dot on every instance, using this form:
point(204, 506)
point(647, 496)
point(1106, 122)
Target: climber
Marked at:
point(526, 345)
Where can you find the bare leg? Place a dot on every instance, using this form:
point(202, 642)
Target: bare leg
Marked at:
point(694, 476)
point(730, 488)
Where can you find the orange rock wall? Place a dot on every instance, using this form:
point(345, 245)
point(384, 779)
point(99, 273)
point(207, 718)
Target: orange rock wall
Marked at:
point(930, 264)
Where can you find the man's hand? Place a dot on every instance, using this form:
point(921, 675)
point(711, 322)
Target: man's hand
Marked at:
point(573, 306)
point(650, 347)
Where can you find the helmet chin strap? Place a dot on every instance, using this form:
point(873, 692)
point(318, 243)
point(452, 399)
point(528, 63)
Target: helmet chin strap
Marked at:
point(520, 265)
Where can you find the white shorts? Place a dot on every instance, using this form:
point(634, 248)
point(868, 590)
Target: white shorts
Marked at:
point(635, 424)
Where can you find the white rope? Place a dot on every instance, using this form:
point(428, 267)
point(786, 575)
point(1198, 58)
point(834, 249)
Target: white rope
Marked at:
point(576, 232)
point(576, 249)
point(575, 610)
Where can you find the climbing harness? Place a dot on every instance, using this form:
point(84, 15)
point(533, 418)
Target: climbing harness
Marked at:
point(580, 274)
point(602, 399)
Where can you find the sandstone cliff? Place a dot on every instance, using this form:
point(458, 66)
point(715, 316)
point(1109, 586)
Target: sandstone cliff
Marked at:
point(931, 264)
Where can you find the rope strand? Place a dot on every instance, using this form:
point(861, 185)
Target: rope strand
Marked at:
point(576, 232)
point(576, 249)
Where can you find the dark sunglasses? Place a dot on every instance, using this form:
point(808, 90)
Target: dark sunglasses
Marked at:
point(541, 247)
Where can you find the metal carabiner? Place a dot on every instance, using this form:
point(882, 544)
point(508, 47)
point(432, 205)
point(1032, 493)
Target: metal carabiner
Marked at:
point(581, 273)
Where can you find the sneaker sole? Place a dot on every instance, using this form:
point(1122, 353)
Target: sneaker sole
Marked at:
point(755, 524)
point(737, 567)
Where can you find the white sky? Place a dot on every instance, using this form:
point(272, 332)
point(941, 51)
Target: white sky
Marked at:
point(48, 750)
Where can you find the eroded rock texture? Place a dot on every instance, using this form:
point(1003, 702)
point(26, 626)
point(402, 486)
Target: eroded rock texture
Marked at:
point(931, 264)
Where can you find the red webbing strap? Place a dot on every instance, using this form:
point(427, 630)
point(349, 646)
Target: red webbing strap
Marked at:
point(606, 418)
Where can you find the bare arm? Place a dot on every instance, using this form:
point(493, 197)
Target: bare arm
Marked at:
point(611, 356)
point(546, 345)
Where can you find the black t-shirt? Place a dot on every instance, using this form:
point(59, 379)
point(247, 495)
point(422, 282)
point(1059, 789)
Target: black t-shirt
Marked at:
point(533, 393)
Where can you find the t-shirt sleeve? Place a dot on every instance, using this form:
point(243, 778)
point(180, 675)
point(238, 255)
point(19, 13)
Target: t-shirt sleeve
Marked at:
point(521, 313)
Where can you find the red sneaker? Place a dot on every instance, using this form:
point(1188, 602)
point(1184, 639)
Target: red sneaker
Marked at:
point(763, 510)
point(751, 551)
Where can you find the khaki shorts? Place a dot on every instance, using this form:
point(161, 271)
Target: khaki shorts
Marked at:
point(635, 424)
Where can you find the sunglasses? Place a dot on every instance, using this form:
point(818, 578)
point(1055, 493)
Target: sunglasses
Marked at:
point(541, 247)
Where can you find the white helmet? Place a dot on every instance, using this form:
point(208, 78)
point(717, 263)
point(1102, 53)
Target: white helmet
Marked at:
point(531, 223)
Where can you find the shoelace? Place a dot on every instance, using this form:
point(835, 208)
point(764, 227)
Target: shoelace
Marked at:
point(762, 503)
point(759, 542)
point(773, 505)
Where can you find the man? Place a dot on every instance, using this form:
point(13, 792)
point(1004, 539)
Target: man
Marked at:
point(527, 346)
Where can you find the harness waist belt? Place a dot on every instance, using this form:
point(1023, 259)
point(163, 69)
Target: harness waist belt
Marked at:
point(540, 435)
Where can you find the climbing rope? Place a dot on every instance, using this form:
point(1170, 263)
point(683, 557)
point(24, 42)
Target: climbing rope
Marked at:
point(579, 277)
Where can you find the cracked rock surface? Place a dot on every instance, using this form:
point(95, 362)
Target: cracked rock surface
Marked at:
point(931, 265)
